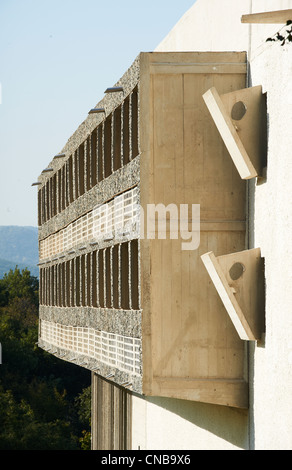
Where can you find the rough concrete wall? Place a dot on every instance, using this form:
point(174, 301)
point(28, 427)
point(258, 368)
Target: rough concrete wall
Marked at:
point(215, 25)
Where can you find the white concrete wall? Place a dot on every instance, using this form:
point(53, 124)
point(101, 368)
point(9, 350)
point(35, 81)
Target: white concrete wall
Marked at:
point(271, 365)
point(214, 25)
point(168, 424)
point(209, 25)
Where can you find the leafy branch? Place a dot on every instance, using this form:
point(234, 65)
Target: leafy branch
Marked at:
point(283, 37)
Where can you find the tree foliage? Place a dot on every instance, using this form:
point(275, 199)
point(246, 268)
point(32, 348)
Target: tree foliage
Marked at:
point(18, 285)
point(43, 405)
point(283, 36)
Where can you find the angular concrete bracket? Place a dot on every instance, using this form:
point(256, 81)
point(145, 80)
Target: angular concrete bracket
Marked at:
point(239, 281)
point(240, 117)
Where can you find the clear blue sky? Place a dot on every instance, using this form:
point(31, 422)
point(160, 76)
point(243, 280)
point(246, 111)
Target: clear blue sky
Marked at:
point(56, 60)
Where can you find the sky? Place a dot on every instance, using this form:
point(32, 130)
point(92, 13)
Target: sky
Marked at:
point(56, 60)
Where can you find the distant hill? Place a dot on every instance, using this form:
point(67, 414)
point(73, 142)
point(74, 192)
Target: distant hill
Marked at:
point(18, 246)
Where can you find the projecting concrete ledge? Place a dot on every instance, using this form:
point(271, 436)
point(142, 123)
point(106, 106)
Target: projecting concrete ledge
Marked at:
point(233, 393)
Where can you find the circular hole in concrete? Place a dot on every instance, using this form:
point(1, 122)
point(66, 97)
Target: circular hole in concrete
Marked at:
point(238, 111)
point(236, 271)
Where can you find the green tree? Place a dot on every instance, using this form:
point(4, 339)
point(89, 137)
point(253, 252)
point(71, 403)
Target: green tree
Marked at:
point(83, 403)
point(18, 285)
point(22, 430)
point(38, 406)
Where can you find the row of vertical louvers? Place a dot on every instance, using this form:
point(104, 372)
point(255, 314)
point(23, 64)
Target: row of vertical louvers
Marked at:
point(111, 145)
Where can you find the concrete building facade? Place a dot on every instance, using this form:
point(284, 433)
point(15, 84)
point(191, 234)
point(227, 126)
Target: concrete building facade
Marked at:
point(218, 27)
point(169, 369)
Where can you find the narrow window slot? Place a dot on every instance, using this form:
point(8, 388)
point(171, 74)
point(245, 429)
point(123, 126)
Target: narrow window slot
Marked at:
point(41, 212)
point(43, 205)
point(64, 290)
point(100, 153)
point(55, 285)
point(67, 200)
point(88, 184)
point(70, 178)
point(76, 171)
point(88, 280)
point(41, 287)
point(58, 285)
point(93, 155)
point(63, 285)
point(47, 201)
point(126, 135)
point(124, 276)
point(50, 198)
point(134, 123)
point(39, 207)
point(54, 194)
point(63, 197)
point(135, 274)
point(52, 285)
point(100, 278)
point(58, 188)
point(65, 166)
point(73, 283)
point(94, 279)
point(77, 281)
point(108, 278)
point(81, 169)
point(117, 139)
point(48, 287)
point(83, 281)
point(68, 284)
point(45, 286)
point(115, 275)
point(107, 146)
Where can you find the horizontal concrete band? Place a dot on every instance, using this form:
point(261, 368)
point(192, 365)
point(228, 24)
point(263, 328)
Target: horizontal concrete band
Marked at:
point(117, 321)
point(123, 179)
